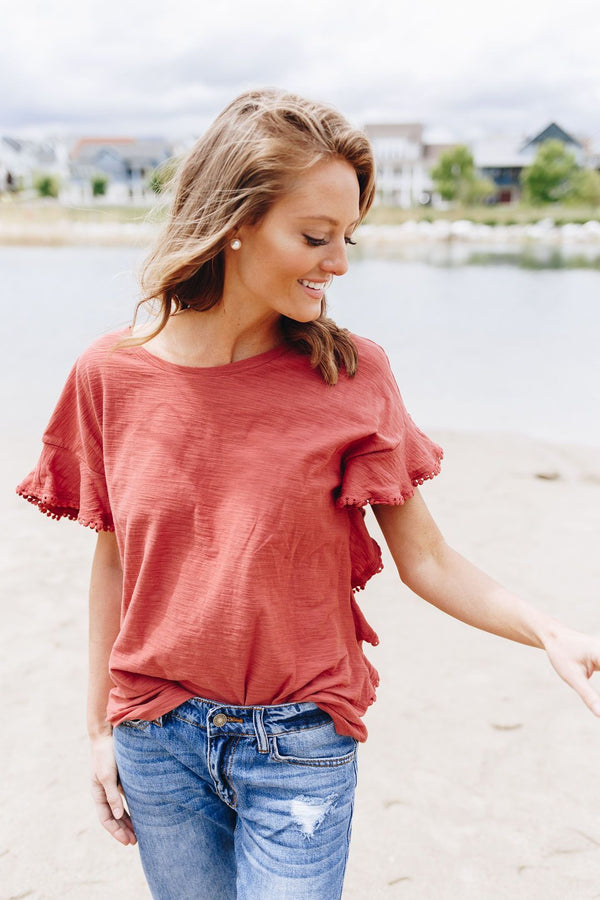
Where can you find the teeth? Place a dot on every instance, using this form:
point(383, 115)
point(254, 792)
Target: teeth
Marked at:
point(316, 285)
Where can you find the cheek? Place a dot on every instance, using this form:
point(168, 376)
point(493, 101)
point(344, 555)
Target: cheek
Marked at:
point(283, 253)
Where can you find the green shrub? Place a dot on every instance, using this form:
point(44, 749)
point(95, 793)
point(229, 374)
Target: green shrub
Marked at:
point(99, 183)
point(47, 185)
point(476, 191)
point(585, 188)
point(455, 178)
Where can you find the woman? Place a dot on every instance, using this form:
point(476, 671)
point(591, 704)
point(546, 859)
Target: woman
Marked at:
point(225, 456)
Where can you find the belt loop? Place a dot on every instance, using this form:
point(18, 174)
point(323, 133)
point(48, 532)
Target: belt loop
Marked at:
point(259, 729)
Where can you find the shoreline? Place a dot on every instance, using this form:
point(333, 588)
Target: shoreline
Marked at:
point(572, 237)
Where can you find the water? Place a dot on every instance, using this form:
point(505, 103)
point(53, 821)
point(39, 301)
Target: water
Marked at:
point(474, 347)
point(485, 348)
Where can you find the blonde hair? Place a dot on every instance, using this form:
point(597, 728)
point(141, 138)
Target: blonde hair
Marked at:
point(232, 176)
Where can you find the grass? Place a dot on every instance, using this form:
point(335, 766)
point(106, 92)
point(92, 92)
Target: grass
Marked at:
point(49, 212)
point(505, 214)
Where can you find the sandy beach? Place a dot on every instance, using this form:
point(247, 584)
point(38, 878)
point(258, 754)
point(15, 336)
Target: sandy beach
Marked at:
point(480, 776)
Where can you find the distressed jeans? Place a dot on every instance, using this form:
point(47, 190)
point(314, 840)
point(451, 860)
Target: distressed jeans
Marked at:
point(239, 802)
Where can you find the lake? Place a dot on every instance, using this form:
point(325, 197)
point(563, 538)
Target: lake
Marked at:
point(491, 346)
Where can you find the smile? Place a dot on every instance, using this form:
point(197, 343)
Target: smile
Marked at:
point(316, 285)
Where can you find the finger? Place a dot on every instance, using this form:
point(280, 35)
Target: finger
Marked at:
point(107, 790)
point(592, 701)
point(587, 693)
point(126, 833)
point(119, 826)
point(114, 798)
point(121, 829)
point(124, 836)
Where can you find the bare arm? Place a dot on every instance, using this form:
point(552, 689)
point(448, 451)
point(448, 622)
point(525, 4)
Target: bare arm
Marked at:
point(106, 585)
point(436, 572)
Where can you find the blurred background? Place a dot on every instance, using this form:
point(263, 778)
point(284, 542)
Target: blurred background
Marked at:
point(478, 266)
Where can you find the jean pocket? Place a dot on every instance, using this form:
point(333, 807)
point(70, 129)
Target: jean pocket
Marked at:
point(321, 746)
point(138, 724)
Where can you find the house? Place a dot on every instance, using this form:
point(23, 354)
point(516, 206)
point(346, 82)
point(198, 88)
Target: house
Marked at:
point(404, 158)
point(405, 154)
point(126, 161)
point(21, 160)
point(502, 159)
point(401, 174)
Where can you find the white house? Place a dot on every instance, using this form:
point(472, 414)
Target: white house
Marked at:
point(21, 160)
point(127, 162)
point(401, 176)
point(404, 157)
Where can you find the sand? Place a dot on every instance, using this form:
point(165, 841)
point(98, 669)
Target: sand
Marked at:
point(480, 776)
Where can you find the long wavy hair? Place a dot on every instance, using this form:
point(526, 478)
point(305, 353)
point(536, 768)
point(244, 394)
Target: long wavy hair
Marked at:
point(243, 164)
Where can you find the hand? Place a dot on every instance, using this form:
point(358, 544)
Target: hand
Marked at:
point(106, 791)
point(576, 657)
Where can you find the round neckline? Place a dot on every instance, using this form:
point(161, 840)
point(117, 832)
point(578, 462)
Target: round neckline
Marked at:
point(240, 365)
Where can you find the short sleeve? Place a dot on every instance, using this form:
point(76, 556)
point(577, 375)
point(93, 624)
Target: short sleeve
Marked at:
point(68, 480)
point(394, 456)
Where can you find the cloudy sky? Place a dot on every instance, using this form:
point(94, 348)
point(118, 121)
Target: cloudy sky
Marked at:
point(464, 67)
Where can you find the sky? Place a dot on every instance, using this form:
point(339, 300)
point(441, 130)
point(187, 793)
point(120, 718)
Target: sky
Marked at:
point(465, 69)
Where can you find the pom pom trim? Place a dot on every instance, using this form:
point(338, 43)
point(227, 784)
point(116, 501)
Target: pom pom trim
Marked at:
point(55, 509)
point(393, 500)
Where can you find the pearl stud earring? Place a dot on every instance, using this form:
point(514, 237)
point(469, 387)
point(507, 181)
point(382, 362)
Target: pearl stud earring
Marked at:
point(235, 244)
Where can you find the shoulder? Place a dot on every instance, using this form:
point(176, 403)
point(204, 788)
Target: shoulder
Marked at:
point(374, 380)
point(94, 358)
point(372, 358)
point(101, 364)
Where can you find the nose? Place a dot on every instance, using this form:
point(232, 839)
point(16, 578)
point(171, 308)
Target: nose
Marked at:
point(335, 261)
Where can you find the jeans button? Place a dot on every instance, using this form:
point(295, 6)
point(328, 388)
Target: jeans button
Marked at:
point(219, 719)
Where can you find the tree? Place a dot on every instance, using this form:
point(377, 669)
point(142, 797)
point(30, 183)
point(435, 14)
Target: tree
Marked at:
point(548, 178)
point(455, 178)
point(455, 170)
point(478, 191)
point(46, 185)
point(99, 183)
point(585, 187)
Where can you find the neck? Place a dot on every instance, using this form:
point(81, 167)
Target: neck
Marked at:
point(215, 337)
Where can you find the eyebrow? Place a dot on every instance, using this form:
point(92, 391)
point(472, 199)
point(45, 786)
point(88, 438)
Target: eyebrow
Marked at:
point(328, 219)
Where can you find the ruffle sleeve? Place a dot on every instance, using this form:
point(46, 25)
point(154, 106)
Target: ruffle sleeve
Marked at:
point(388, 471)
point(394, 456)
point(68, 480)
point(385, 465)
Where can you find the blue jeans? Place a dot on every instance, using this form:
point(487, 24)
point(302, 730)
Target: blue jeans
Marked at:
point(239, 802)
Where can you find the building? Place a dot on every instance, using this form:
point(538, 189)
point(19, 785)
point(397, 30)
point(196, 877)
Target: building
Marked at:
point(405, 155)
point(404, 158)
point(21, 160)
point(127, 163)
point(502, 159)
point(401, 175)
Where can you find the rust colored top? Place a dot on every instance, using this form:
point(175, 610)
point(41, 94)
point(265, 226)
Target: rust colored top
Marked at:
point(236, 495)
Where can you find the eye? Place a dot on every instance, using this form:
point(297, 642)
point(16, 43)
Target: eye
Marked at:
point(320, 242)
point(314, 242)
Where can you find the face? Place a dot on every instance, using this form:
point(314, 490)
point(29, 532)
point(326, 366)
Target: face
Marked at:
point(287, 261)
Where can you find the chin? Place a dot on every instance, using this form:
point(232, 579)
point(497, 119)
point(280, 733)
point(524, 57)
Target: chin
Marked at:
point(308, 314)
point(305, 318)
